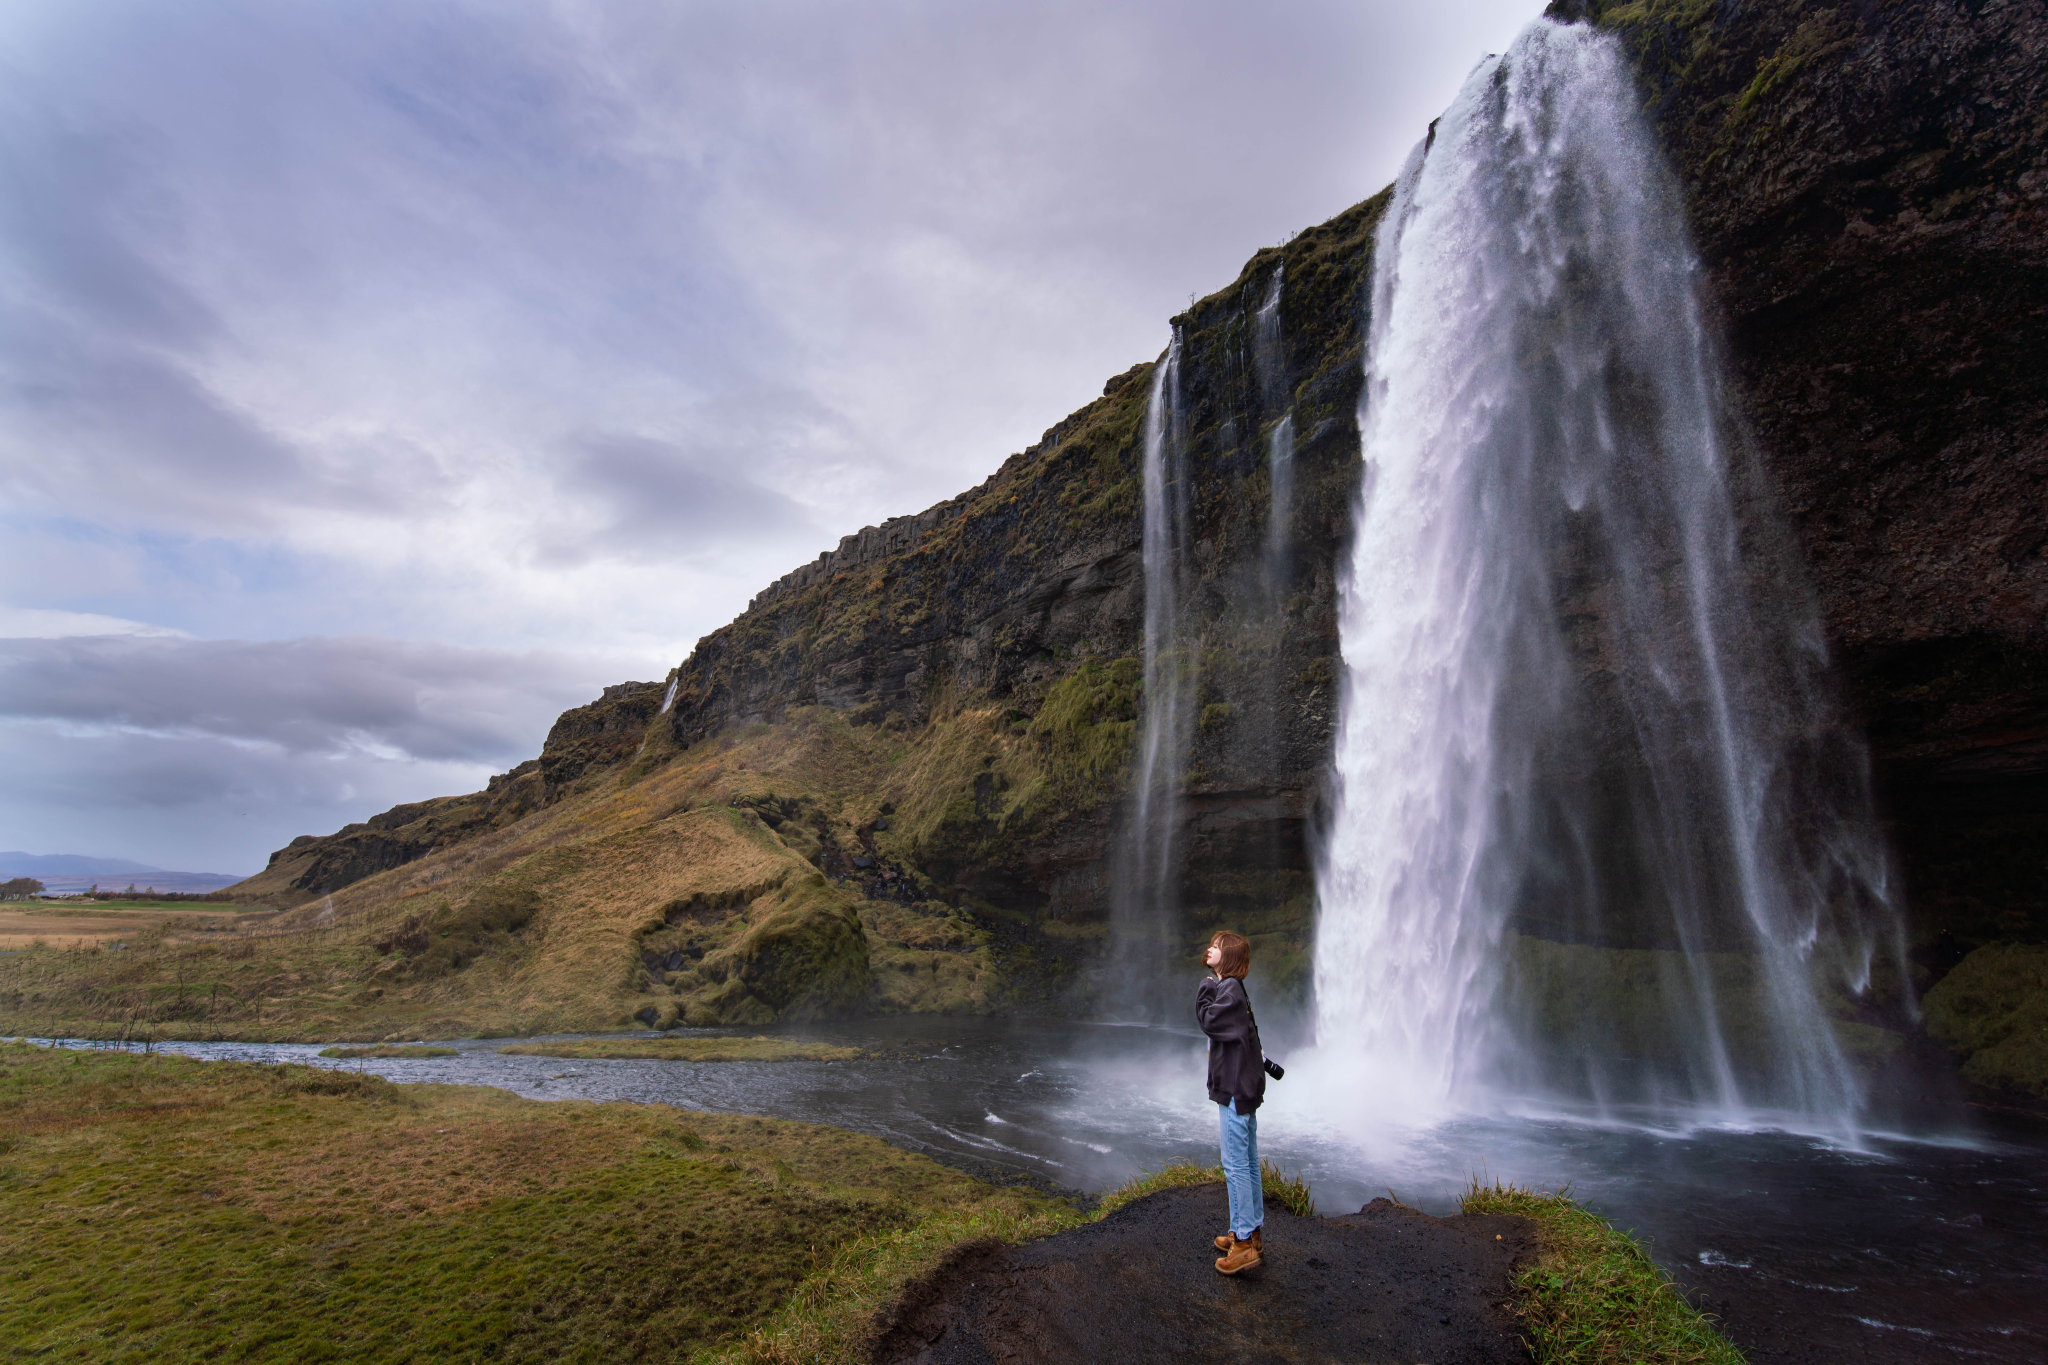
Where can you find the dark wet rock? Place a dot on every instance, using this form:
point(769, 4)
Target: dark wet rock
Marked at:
point(1869, 187)
point(1387, 1283)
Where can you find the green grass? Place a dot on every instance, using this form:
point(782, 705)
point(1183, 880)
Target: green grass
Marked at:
point(1290, 1192)
point(389, 1050)
point(830, 1318)
point(1593, 1296)
point(156, 1208)
point(690, 1050)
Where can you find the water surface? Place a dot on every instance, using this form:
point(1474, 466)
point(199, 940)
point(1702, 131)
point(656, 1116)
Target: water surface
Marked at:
point(1897, 1247)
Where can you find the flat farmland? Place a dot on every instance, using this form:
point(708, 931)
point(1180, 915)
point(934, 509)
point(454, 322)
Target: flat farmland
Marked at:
point(24, 923)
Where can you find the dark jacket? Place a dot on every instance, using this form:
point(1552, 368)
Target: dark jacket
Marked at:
point(1236, 1063)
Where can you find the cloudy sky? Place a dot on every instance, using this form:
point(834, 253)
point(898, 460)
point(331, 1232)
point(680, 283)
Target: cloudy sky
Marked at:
point(379, 378)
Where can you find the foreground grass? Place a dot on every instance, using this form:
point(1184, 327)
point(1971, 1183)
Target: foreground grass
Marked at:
point(1290, 1192)
point(1593, 1297)
point(156, 1208)
point(755, 1049)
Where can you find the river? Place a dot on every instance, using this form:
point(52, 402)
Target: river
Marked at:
point(1891, 1247)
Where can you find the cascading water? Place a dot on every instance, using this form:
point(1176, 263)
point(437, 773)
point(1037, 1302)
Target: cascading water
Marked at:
point(1269, 362)
point(1597, 830)
point(1145, 893)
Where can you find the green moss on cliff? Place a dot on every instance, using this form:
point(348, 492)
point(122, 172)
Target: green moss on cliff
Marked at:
point(801, 956)
point(1088, 725)
point(1616, 1003)
point(1992, 1010)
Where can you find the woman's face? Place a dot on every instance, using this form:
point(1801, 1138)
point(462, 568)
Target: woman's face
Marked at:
point(1213, 956)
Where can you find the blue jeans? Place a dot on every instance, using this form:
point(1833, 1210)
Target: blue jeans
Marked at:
point(1241, 1170)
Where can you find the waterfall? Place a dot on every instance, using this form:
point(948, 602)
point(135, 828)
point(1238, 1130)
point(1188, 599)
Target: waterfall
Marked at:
point(1145, 893)
point(668, 698)
point(1597, 827)
point(1269, 362)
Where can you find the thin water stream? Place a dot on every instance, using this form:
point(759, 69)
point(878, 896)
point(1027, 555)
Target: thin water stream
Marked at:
point(1906, 1248)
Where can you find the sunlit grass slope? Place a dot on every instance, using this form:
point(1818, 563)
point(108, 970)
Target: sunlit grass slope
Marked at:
point(684, 888)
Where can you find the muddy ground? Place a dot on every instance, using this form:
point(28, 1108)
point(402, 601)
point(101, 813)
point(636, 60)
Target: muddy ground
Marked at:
point(1139, 1287)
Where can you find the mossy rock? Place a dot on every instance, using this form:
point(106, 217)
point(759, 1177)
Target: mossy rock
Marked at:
point(802, 956)
point(1992, 1011)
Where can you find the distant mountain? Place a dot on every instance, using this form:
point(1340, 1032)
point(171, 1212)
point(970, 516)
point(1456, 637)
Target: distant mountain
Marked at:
point(68, 872)
point(36, 864)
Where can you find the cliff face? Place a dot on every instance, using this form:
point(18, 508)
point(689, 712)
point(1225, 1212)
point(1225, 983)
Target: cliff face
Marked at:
point(940, 714)
point(1034, 581)
point(1868, 183)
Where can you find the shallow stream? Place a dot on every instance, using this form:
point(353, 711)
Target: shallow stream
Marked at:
point(1931, 1246)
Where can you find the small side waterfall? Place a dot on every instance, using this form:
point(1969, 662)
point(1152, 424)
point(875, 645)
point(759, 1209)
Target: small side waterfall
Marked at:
point(1598, 830)
point(1146, 891)
point(1269, 362)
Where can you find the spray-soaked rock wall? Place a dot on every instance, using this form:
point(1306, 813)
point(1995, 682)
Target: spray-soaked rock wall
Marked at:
point(1869, 188)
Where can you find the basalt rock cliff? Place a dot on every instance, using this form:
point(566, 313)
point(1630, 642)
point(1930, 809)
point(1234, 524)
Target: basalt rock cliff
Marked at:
point(939, 714)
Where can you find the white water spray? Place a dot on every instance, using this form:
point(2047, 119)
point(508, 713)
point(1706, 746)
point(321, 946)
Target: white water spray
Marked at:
point(1597, 830)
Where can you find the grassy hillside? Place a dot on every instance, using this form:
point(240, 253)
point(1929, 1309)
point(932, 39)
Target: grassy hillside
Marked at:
point(716, 886)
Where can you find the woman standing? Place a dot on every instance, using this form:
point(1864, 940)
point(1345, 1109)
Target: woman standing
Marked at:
point(1237, 1083)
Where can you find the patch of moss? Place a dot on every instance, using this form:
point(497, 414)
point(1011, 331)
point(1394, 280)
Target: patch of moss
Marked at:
point(1617, 1002)
point(928, 959)
point(1992, 1010)
point(1594, 1296)
point(801, 956)
point(1087, 725)
point(390, 1050)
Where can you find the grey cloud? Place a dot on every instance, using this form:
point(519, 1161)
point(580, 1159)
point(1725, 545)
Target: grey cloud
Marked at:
point(82, 207)
point(194, 802)
point(660, 502)
point(91, 412)
point(311, 698)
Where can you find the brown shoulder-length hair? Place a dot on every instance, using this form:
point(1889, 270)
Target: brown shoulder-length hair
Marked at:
point(1237, 954)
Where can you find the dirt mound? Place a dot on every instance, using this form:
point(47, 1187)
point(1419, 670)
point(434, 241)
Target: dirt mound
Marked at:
point(1386, 1283)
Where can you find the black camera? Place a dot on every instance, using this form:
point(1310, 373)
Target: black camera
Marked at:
point(1274, 1069)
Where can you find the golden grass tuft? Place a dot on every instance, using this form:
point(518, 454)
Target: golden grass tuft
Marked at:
point(690, 1049)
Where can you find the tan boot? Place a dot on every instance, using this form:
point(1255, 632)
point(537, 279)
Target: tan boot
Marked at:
point(1223, 1242)
point(1243, 1255)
